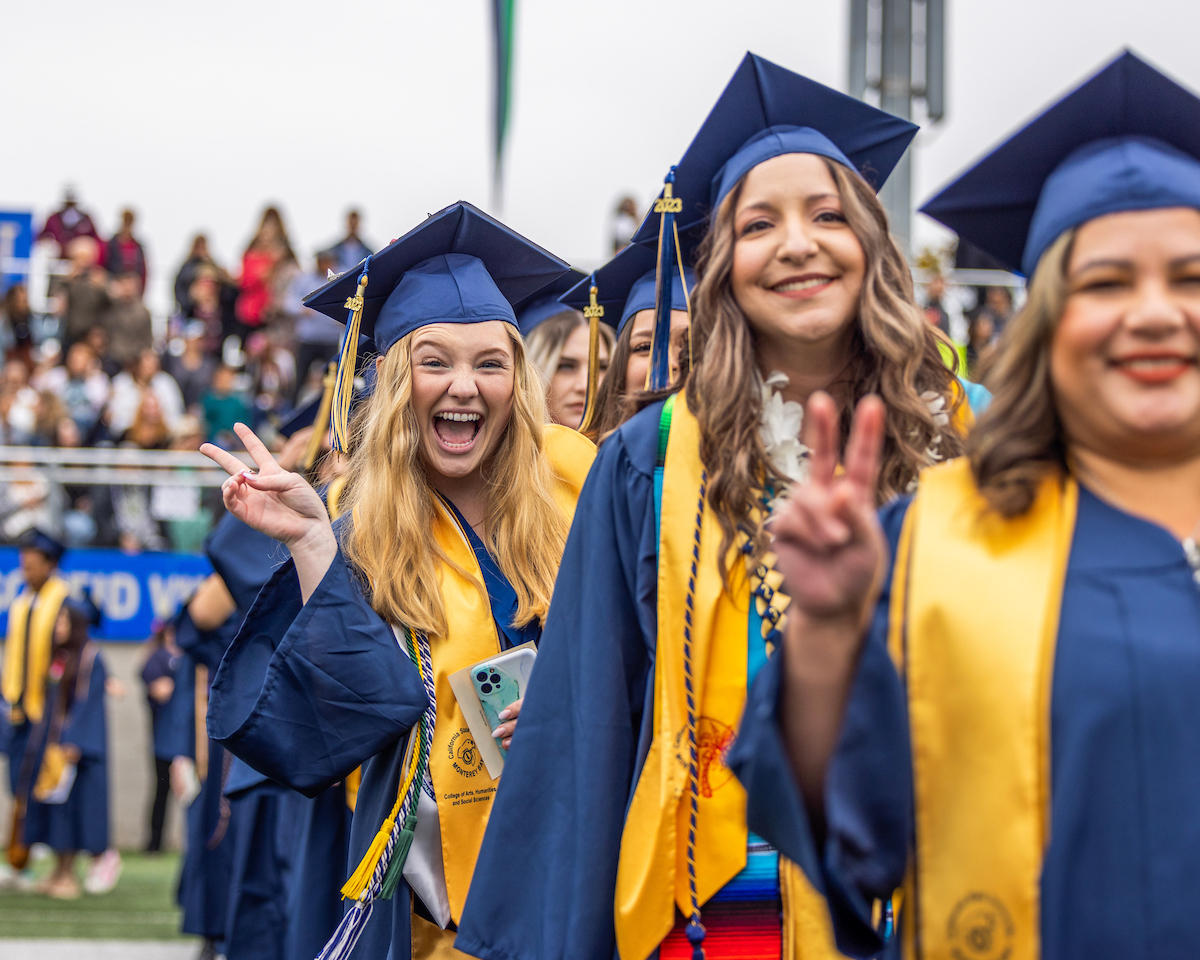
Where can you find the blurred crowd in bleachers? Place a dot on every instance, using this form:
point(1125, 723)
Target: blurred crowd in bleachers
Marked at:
point(92, 370)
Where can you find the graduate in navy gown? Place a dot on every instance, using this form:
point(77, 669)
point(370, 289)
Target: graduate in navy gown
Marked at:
point(625, 293)
point(457, 506)
point(68, 753)
point(1009, 728)
point(204, 875)
point(618, 828)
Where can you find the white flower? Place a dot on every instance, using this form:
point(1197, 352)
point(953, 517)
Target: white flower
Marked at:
point(779, 429)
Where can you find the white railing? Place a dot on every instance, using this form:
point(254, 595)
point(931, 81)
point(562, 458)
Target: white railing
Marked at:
point(85, 466)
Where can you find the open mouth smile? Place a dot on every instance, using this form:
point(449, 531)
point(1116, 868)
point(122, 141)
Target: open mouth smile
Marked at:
point(457, 431)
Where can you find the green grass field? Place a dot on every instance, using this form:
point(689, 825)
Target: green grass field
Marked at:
point(141, 907)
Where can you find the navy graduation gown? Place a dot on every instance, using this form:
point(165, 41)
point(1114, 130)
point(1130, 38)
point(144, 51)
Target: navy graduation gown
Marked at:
point(545, 879)
point(80, 823)
point(205, 873)
point(1120, 878)
point(308, 692)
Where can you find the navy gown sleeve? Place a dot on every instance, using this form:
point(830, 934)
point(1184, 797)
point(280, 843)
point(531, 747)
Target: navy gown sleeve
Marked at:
point(86, 727)
point(307, 692)
point(544, 882)
point(868, 790)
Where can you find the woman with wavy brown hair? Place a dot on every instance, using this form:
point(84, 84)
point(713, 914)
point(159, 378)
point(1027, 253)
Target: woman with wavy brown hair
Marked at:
point(666, 603)
point(987, 693)
point(457, 505)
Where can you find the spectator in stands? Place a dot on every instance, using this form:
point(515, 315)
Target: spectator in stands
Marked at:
point(124, 253)
point(81, 385)
point(268, 249)
point(272, 371)
point(130, 329)
point(149, 429)
point(935, 313)
point(67, 223)
point(158, 676)
point(97, 338)
point(18, 405)
point(224, 405)
point(16, 338)
point(46, 416)
point(981, 340)
point(146, 375)
point(999, 307)
point(197, 257)
point(192, 369)
point(33, 502)
point(625, 223)
point(86, 288)
point(185, 510)
point(350, 250)
point(317, 336)
point(213, 304)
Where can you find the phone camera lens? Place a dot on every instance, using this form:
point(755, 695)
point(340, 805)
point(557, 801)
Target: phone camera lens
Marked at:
point(486, 688)
point(495, 678)
point(481, 676)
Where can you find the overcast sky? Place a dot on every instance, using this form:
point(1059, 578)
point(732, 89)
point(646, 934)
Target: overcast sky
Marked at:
point(198, 114)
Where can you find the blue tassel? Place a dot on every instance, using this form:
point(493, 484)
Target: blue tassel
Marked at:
point(659, 375)
point(345, 937)
point(695, 933)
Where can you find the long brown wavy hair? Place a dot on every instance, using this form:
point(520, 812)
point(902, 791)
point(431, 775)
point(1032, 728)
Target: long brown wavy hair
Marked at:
point(1018, 440)
point(894, 354)
point(391, 502)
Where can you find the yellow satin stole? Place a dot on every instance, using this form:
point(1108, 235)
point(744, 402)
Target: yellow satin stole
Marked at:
point(974, 621)
point(652, 877)
point(28, 677)
point(463, 789)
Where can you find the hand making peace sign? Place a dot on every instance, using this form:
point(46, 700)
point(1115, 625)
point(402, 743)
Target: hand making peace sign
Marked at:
point(830, 546)
point(280, 504)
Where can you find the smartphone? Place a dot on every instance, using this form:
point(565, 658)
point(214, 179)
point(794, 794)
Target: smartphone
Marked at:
point(500, 682)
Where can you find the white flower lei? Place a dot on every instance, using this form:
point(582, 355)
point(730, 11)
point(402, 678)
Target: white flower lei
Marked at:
point(781, 421)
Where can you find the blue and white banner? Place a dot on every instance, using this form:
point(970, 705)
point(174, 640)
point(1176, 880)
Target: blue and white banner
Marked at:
point(132, 590)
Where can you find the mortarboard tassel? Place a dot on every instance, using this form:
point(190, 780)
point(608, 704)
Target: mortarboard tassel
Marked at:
point(658, 377)
point(593, 312)
point(347, 360)
point(321, 423)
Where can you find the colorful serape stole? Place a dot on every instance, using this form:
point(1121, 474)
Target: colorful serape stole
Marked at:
point(744, 920)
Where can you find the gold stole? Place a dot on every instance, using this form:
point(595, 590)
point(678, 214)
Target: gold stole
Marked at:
point(29, 678)
point(461, 785)
point(974, 621)
point(652, 875)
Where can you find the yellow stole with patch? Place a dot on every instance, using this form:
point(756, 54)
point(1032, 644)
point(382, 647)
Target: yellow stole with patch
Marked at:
point(462, 787)
point(25, 670)
point(974, 623)
point(652, 872)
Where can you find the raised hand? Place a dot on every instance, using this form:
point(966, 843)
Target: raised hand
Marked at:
point(831, 552)
point(828, 540)
point(280, 504)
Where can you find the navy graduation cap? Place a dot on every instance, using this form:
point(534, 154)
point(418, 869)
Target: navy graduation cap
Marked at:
point(547, 302)
point(459, 266)
point(626, 285)
point(766, 111)
point(35, 539)
point(1126, 139)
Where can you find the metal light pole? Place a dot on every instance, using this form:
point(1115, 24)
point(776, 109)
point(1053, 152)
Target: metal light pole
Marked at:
point(897, 55)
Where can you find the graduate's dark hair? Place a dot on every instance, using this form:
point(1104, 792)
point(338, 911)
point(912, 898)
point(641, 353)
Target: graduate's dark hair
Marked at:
point(1018, 440)
point(894, 355)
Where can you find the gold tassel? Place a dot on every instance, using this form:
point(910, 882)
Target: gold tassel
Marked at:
point(593, 312)
point(344, 386)
point(321, 423)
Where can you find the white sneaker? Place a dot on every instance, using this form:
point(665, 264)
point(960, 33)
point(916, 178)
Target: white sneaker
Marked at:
point(103, 872)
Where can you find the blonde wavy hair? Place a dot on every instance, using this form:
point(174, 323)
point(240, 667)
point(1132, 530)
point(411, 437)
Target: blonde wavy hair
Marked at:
point(894, 355)
point(391, 502)
point(1018, 440)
